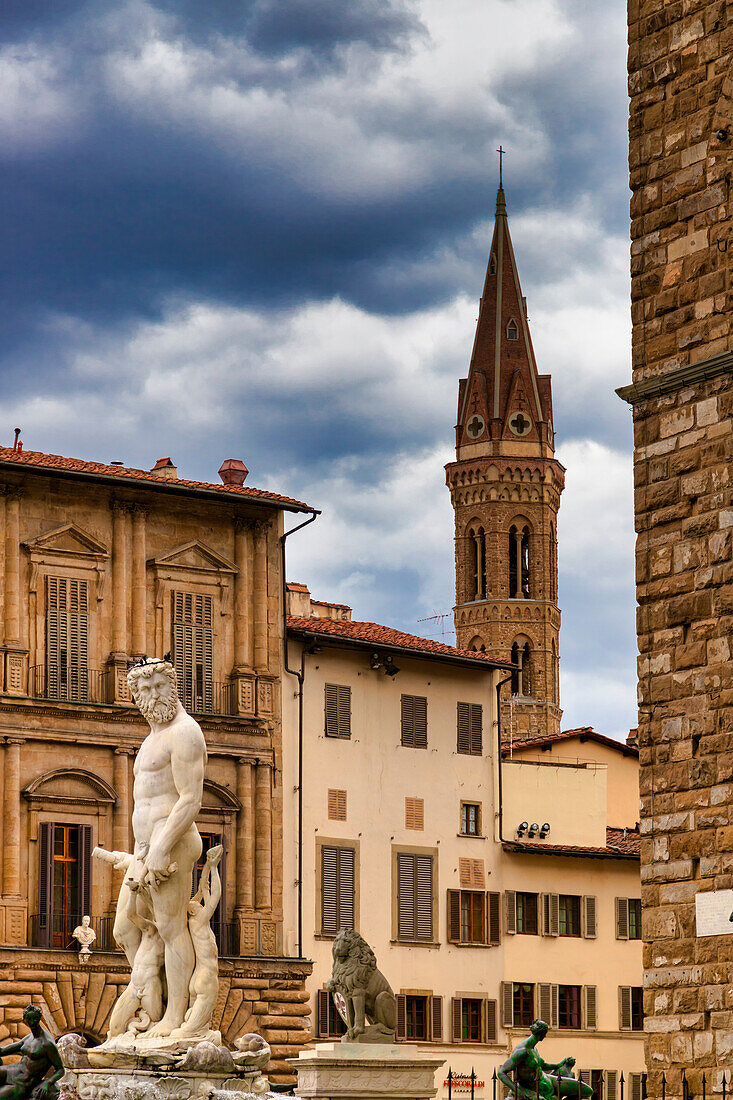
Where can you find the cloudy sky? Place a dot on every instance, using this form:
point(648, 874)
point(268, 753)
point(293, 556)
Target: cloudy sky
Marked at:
point(259, 228)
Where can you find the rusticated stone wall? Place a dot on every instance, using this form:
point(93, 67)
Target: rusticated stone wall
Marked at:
point(255, 994)
point(681, 160)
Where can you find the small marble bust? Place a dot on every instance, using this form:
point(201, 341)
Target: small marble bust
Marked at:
point(85, 936)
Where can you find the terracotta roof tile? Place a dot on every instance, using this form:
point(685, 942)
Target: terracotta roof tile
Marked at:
point(585, 733)
point(373, 633)
point(39, 460)
point(620, 844)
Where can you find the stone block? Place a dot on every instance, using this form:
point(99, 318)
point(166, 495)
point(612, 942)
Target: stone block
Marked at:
point(354, 1070)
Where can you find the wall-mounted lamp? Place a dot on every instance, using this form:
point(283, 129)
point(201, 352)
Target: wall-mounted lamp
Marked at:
point(377, 661)
point(545, 830)
point(533, 830)
point(522, 829)
point(390, 668)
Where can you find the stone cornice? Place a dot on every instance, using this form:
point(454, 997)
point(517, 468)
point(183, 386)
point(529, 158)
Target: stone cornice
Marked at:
point(675, 380)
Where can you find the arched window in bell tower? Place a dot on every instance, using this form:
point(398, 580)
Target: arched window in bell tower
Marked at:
point(519, 562)
point(553, 564)
point(477, 562)
point(522, 656)
point(555, 675)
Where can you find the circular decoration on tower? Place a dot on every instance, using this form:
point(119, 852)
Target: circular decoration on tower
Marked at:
point(519, 423)
point(476, 426)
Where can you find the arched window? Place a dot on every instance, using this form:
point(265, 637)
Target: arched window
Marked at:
point(522, 656)
point(512, 330)
point(553, 564)
point(477, 562)
point(492, 264)
point(519, 586)
point(526, 669)
point(477, 646)
point(555, 675)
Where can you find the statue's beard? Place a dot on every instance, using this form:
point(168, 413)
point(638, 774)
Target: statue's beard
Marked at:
point(159, 710)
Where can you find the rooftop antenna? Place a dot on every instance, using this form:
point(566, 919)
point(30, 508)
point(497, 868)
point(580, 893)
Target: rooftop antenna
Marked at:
point(439, 617)
point(502, 153)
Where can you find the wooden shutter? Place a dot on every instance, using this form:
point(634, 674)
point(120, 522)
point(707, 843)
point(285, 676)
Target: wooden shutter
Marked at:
point(336, 805)
point(464, 728)
point(414, 711)
point(424, 894)
point(611, 1084)
point(491, 1029)
point(45, 883)
point(635, 1083)
point(454, 916)
point(622, 918)
point(589, 917)
point(507, 1004)
point(401, 1030)
point(555, 1006)
point(493, 905)
point(436, 1019)
point(590, 1007)
point(624, 1007)
point(470, 728)
point(192, 633)
point(415, 813)
point(337, 710)
point(544, 998)
point(476, 729)
point(405, 896)
point(471, 873)
point(346, 888)
point(85, 870)
point(510, 912)
point(77, 641)
point(456, 1021)
point(550, 915)
point(67, 639)
point(329, 890)
point(585, 1076)
point(322, 1023)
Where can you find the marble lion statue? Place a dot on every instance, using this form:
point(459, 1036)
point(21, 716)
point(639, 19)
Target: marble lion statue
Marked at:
point(366, 991)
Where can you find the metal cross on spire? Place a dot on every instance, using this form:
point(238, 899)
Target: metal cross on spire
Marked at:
point(502, 154)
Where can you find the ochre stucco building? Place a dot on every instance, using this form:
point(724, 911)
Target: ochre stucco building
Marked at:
point(681, 160)
point(100, 564)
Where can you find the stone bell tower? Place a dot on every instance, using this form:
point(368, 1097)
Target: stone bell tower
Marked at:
point(505, 488)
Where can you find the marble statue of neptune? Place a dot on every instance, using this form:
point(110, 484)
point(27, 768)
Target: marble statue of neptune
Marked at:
point(153, 907)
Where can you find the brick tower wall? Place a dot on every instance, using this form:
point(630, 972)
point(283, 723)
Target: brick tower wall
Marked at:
point(681, 160)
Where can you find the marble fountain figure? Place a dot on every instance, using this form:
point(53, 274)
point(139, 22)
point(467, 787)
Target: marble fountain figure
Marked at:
point(162, 1019)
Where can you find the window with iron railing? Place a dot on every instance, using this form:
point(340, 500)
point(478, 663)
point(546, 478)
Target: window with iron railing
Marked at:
point(67, 639)
point(192, 633)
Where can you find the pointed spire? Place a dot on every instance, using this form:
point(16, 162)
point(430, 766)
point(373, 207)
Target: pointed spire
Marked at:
point(503, 397)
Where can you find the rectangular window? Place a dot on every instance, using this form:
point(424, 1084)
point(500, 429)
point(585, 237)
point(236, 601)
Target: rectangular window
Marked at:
point(634, 918)
point(631, 1008)
point(470, 726)
point(596, 1083)
point(414, 713)
point(192, 631)
point(67, 634)
point(416, 1018)
point(473, 916)
point(522, 1004)
point(337, 888)
point(414, 897)
point(337, 710)
point(330, 1024)
point(336, 805)
point(471, 1013)
point(527, 914)
point(568, 1001)
point(64, 882)
point(415, 813)
point(471, 819)
point(569, 914)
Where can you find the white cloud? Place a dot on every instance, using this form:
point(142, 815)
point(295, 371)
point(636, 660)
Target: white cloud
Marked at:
point(35, 106)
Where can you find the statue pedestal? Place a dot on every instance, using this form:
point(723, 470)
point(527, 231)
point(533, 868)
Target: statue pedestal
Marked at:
point(159, 1084)
point(353, 1071)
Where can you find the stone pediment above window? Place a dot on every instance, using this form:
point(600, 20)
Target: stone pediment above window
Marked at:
point(195, 557)
point(67, 548)
point(219, 799)
point(70, 786)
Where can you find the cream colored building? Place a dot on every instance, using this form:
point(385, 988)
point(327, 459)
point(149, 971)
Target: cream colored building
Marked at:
point(395, 778)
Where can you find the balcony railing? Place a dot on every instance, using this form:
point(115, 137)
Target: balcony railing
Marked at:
point(78, 685)
point(226, 934)
point(212, 698)
point(55, 930)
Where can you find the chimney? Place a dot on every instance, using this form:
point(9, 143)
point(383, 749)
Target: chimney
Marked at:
point(233, 471)
point(165, 468)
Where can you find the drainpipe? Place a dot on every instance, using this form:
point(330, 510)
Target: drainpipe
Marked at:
point(300, 676)
point(499, 686)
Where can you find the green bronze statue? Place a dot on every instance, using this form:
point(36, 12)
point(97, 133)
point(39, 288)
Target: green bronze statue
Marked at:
point(531, 1076)
point(27, 1079)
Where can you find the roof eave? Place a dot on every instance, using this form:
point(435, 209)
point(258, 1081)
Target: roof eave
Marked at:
point(158, 486)
point(419, 654)
point(574, 853)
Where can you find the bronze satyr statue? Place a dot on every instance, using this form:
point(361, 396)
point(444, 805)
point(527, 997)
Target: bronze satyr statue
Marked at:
point(27, 1078)
point(368, 994)
point(535, 1077)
